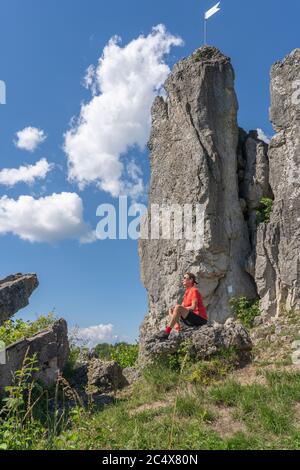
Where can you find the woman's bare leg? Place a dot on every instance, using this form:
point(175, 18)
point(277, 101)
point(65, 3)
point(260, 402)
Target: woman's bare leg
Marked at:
point(178, 312)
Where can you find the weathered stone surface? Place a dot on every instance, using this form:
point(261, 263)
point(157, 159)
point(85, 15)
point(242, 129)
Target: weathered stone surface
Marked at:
point(253, 172)
point(193, 146)
point(105, 376)
point(132, 374)
point(204, 342)
point(277, 270)
point(15, 291)
point(52, 349)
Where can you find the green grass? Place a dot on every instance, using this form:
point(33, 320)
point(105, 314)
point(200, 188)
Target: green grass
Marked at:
point(263, 408)
point(266, 411)
point(181, 403)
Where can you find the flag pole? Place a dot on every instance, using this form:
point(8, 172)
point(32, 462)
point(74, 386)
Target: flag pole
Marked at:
point(205, 31)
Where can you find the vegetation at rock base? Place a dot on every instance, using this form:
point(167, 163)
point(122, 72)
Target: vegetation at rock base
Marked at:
point(15, 330)
point(245, 310)
point(264, 212)
point(124, 354)
point(178, 403)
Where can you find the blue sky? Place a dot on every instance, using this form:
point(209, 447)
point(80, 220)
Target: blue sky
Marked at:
point(46, 48)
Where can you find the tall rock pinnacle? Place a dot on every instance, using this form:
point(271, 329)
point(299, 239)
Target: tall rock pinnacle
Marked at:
point(277, 270)
point(193, 155)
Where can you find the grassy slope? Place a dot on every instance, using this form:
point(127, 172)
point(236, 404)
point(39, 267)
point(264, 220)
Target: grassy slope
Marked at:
point(206, 406)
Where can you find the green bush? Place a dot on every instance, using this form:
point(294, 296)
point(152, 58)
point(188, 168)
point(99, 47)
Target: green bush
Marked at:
point(245, 310)
point(104, 350)
point(197, 56)
point(125, 354)
point(264, 212)
point(15, 330)
point(213, 370)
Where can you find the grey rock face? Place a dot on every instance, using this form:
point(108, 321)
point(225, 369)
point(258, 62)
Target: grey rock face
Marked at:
point(193, 156)
point(253, 173)
point(277, 270)
point(105, 376)
point(15, 291)
point(132, 374)
point(203, 342)
point(52, 349)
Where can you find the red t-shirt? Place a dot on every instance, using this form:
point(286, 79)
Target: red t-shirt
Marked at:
point(190, 294)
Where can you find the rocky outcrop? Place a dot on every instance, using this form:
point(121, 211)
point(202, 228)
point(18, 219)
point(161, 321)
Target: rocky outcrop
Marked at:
point(105, 376)
point(51, 347)
point(193, 155)
point(277, 271)
point(203, 342)
point(15, 291)
point(94, 377)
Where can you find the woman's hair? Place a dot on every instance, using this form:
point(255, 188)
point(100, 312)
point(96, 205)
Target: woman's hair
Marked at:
point(192, 277)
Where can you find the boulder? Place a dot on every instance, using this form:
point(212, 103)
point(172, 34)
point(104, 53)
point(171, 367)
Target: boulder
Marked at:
point(51, 347)
point(132, 374)
point(105, 376)
point(15, 291)
point(202, 342)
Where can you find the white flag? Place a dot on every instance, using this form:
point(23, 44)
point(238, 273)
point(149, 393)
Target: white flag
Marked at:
point(212, 11)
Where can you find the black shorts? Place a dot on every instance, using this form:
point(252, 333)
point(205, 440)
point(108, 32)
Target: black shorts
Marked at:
point(193, 320)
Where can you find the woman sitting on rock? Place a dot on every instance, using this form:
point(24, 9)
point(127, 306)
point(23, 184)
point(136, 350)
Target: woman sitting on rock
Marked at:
point(191, 312)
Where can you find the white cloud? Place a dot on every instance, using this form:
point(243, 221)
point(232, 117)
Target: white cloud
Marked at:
point(29, 138)
point(47, 219)
point(262, 136)
point(123, 87)
point(93, 335)
point(25, 174)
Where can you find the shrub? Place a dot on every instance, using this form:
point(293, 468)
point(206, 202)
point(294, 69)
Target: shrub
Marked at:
point(103, 351)
point(125, 354)
point(264, 212)
point(197, 56)
point(207, 372)
point(15, 330)
point(245, 310)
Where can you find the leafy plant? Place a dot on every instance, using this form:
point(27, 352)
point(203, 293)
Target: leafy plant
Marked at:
point(104, 350)
point(264, 212)
point(123, 353)
point(197, 56)
point(17, 427)
point(246, 310)
point(213, 370)
point(15, 330)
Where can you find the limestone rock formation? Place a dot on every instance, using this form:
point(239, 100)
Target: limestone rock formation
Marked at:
point(203, 342)
point(15, 291)
point(105, 376)
point(277, 271)
point(193, 155)
point(52, 349)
